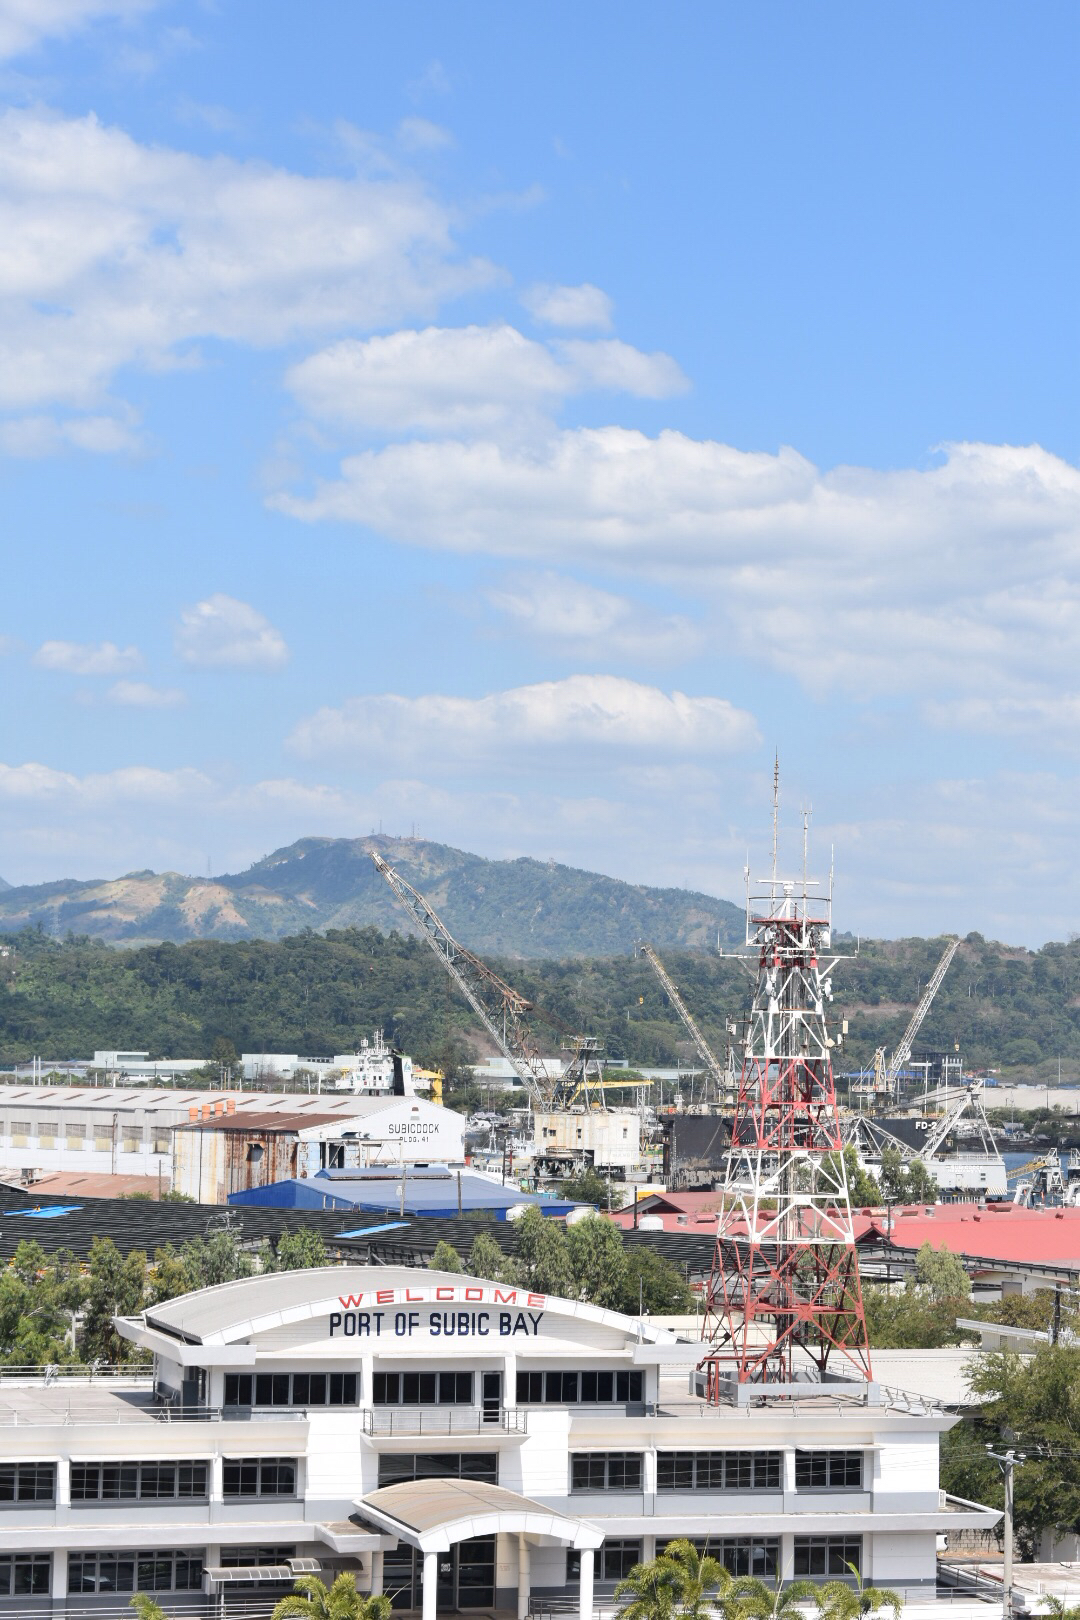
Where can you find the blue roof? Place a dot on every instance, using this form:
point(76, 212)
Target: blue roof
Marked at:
point(427, 1192)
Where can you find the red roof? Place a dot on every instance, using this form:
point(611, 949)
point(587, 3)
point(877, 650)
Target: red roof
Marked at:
point(1003, 1232)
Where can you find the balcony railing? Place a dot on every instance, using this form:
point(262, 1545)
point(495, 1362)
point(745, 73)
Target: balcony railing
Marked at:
point(434, 1420)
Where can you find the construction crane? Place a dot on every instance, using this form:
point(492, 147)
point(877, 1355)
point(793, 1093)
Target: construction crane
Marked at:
point(885, 1078)
point(502, 1010)
point(670, 989)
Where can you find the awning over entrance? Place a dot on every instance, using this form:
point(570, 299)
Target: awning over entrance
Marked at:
point(433, 1514)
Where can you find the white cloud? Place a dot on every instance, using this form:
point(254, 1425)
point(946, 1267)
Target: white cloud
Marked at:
point(579, 620)
point(577, 309)
point(468, 380)
point(78, 658)
point(421, 135)
point(25, 23)
point(113, 253)
point(222, 632)
point(960, 576)
point(140, 695)
point(28, 437)
point(597, 713)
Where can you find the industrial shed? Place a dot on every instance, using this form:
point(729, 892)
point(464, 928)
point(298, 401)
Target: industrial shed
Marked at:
point(437, 1190)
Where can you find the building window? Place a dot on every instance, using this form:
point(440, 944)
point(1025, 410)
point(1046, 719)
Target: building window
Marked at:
point(422, 1389)
point(159, 1139)
point(27, 1482)
point(290, 1389)
point(718, 1470)
point(396, 1468)
point(260, 1476)
point(605, 1471)
point(25, 1575)
point(743, 1555)
point(586, 1388)
point(132, 1481)
point(255, 1557)
point(614, 1560)
point(75, 1137)
point(131, 1141)
point(46, 1132)
point(828, 1470)
point(828, 1555)
point(102, 1139)
point(180, 1571)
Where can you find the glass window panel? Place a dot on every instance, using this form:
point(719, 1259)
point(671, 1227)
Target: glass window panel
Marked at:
point(301, 1389)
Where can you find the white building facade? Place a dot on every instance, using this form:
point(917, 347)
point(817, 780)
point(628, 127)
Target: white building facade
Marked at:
point(455, 1443)
point(369, 1070)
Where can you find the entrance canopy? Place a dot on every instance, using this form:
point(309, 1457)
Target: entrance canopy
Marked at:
point(434, 1514)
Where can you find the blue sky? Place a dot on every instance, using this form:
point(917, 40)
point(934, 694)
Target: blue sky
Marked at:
point(518, 422)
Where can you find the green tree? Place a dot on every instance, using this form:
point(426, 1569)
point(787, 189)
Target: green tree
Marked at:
point(219, 1258)
point(486, 1259)
point(941, 1275)
point(117, 1286)
point(703, 1585)
point(168, 1276)
point(654, 1284)
point(756, 1601)
point(837, 1600)
point(597, 1260)
point(649, 1592)
point(445, 1258)
point(302, 1250)
point(909, 1183)
point(1035, 1402)
point(312, 1599)
point(146, 1608)
point(543, 1255)
point(587, 1186)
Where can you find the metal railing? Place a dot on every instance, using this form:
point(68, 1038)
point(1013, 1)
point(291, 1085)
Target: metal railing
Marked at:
point(90, 1372)
point(415, 1420)
point(147, 1412)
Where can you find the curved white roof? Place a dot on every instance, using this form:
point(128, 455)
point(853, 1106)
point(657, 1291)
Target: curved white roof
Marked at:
point(255, 1305)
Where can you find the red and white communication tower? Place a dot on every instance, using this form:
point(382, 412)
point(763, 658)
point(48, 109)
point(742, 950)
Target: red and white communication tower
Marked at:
point(785, 1302)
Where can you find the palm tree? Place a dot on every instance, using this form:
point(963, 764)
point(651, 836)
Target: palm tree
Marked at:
point(312, 1599)
point(146, 1608)
point(703, 1586)
point(760, 1602)
point(836, 1600)
point(649, 1592)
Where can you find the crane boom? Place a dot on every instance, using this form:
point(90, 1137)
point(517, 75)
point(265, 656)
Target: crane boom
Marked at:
point(903, 1051)
point(500, 1008)
point(704, 1051)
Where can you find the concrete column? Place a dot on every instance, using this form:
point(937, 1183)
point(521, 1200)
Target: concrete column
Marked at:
point(510, 1383)
point(523, 1578)
point(431, 1581)
point(59, 1585)
point(585, 1584)
point(63, 1482)
point(376, 1572)
point(786, 1571)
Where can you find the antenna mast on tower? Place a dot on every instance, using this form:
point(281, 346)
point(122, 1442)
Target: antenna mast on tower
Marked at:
point(785, 1301)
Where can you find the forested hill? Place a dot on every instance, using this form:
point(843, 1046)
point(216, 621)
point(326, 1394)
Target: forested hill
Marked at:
point(318, 994)
point(522, 908)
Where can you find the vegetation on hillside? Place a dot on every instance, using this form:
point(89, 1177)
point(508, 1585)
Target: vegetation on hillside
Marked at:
point(319, 993)
point(512, 908)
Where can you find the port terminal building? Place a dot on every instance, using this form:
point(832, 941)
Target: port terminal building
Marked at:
point(454, 1443)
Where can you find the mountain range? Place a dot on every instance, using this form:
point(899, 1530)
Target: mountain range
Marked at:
point(511, 908)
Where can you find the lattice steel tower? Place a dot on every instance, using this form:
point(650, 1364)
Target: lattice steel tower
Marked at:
point(785, 1302)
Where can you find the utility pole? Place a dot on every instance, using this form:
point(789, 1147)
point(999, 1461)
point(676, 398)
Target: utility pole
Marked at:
point(1007, 1463)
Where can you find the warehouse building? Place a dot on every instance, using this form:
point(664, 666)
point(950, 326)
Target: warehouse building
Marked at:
point(435, 1190)
point(216, 1156)
point(455, 1443)
point(113, 1130)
